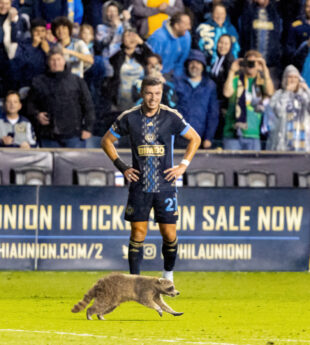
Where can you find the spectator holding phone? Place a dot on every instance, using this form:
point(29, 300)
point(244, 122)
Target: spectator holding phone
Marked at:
point(247, 86)
point(290, 127)
point(15, 130)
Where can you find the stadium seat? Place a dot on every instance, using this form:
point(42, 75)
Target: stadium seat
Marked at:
point(95, 177)
point(32, 176)
point(255, 179)
point(303, 179)
point(205, 178)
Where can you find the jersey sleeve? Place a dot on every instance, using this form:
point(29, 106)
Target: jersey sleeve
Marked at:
point(120, 127)
point(179, 125)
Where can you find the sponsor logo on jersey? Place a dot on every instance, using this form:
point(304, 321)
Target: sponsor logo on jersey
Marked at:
point(151, 150)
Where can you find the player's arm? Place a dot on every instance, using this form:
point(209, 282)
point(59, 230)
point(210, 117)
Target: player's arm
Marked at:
point(107, 144)
point(194, 142)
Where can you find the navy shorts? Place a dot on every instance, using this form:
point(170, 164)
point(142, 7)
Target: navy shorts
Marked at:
point(139, 206)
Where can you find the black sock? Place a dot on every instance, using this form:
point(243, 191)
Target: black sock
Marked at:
point(169, 250)
point(135, 256)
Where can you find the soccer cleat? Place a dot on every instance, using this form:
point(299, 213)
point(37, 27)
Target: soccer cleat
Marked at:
point(168, 275)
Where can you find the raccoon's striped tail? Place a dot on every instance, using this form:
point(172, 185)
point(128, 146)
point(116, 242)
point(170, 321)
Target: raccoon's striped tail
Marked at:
point(85, 301)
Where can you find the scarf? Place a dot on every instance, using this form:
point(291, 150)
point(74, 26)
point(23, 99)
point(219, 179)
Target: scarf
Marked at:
point(245, 98)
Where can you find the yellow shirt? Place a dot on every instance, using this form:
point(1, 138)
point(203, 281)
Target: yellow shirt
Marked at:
point(156, 21)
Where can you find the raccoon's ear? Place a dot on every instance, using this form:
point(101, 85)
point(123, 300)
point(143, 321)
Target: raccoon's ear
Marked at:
point(161, 280)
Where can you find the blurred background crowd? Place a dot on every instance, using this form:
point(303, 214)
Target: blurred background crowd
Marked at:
point(237, 70)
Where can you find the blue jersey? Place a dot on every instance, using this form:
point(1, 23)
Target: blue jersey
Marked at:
point(152, 140)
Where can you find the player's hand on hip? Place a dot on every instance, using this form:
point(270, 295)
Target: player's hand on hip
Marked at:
point(174, 173)
point(132, 175)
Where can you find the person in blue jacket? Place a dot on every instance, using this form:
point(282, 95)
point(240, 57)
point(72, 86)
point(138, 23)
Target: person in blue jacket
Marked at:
point(298, 43)
point(209, 32)
point(197, 99)
point(172, 42)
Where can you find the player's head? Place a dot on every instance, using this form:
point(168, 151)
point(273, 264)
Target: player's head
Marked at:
point(151, 92)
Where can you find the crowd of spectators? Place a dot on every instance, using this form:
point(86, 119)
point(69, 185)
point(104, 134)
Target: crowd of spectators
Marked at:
point(237, 70)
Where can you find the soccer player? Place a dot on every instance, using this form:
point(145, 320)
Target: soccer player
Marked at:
point(151, 127)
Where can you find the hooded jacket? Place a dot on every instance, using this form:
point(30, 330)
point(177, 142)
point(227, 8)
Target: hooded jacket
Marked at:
point(290, 125)
point(208, 34)
point(173, 50)
point(198, 105)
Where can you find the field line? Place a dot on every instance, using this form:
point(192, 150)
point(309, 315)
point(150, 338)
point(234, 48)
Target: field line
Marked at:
point(172, 341)
point(176, 341)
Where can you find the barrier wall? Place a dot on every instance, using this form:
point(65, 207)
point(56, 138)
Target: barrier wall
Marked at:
point(64, 163)
point(71, 228)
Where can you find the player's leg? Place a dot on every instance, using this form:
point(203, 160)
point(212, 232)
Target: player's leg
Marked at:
point(166, 214)
point(135, 251)
point(137, 213)
point(169, 248)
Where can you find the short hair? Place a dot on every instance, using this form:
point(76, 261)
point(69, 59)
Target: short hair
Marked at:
point(37, 22)
point(12, 92)
point(87, 26)
point(53, 51)
point(176, 18)
point(254, 53)
point(64, 21)
point(219, 4)
point(113, 3)
point(150, 81)
point(157, 56)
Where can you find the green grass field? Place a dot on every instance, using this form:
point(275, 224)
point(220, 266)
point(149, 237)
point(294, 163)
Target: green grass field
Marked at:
point(219, 309)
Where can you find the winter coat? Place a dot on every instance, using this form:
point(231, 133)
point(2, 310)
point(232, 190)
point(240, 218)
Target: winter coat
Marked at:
point(290, 125)
point(66, 99)
point(208, 34)
point(198, 105)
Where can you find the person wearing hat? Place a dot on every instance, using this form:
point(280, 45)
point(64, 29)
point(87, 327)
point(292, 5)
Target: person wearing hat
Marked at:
point(197, 99)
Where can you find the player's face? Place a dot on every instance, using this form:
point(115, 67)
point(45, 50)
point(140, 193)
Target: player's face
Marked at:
point(5, 6)
point(152, 96)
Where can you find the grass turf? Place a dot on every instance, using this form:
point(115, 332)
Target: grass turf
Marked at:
point(220, 308)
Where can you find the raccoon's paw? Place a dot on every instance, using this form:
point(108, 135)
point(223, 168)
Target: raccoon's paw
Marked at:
point(100, 317)
point(88, 315)
point(177, 314)
point(160, 312)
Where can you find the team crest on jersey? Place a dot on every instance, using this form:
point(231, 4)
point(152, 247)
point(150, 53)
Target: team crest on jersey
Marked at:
point(150, 137)
point(129, 210)
point(20, 128)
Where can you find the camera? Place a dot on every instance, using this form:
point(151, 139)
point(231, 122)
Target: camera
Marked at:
point(247, 63)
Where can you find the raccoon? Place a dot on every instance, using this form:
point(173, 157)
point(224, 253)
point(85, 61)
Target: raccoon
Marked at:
point(116, 288)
